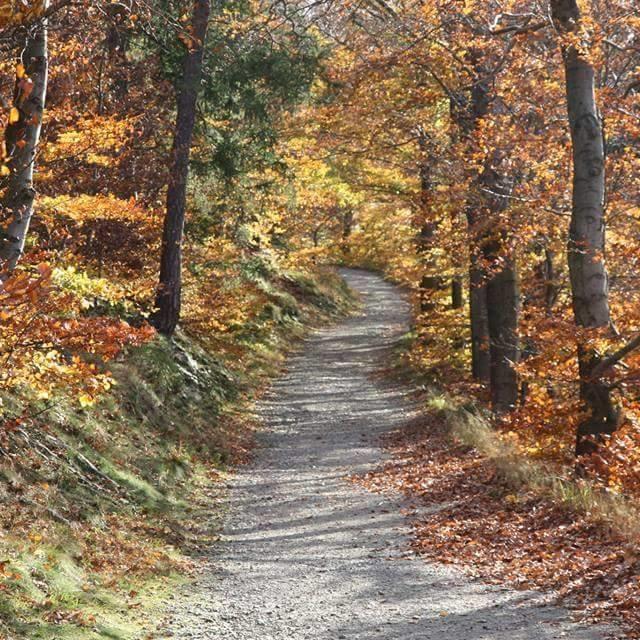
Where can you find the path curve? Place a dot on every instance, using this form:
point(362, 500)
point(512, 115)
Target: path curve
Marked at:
point(308, 556)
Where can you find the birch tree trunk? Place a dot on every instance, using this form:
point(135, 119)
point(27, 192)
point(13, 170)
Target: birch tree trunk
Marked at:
point(586, 245)
point(168, 300)
point(22, 136)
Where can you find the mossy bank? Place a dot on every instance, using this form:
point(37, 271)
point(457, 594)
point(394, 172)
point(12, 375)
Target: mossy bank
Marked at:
point(103, 506)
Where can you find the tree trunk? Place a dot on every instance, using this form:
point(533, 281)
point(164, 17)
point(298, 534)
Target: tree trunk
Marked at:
point(347, 224)
point(503, 305)
point(347, 228)
point(466, 113)
point(117, 45)
point(503, 292)
point(548, 288)
point(168, 299)
point(494, 295)
point(430, 283)
point(550, 285)
point(479, 320)
point(21, 138)
point(586, 246)
point(457, 293)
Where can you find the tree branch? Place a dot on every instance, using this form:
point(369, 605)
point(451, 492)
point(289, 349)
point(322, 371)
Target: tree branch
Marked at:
point(522, 28)
point(614, 358)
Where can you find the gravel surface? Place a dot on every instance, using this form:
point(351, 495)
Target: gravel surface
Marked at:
point(305, 554)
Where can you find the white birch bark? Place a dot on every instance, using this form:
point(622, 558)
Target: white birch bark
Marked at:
point(22, 139)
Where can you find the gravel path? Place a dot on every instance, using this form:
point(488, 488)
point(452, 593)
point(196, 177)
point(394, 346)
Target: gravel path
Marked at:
point(306, 555)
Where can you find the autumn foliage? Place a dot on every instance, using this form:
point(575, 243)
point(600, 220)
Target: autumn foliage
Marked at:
point(454, 120)
point(443, 142)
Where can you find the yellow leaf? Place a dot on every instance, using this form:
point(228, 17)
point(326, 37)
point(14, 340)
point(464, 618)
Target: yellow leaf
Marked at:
point(20, 70)
point(85, 400)
point(14, 115)
point(4, 170)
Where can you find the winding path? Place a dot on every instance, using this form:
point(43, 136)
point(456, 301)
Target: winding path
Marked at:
point(307, 555)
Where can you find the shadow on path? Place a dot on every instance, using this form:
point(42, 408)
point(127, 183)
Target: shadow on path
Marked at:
point(308, 555)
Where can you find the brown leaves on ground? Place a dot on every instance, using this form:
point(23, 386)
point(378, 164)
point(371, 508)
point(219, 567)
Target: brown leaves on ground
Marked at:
point(464, 514)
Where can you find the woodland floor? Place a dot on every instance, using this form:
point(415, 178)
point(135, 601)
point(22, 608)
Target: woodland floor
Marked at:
point(306, 553)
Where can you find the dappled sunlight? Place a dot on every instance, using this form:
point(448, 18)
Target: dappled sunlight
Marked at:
point(305, 551)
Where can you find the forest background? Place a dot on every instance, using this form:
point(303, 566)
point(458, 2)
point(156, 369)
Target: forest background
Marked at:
point(201, 165)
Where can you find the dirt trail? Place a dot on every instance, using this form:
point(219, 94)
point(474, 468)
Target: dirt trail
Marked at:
point(307, 555)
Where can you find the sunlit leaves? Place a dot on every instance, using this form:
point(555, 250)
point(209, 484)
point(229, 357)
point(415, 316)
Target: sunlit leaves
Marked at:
point(44, 338)
point(17, 12)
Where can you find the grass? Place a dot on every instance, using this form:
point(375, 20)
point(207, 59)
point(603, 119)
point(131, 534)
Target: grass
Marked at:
point(471, 426)
point(103, 506)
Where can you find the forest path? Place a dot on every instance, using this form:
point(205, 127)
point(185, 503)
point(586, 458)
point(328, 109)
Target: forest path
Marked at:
point(307, 554)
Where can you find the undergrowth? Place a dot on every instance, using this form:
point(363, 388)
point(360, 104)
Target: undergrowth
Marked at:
point(103, 505)
point(470, 425)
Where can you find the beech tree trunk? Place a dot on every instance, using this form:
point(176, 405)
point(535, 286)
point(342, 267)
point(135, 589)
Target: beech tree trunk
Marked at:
point(21, 138)
point(479, 320)
point(347, 224)
point(169, 295)
point(494, 293)
point(586, 245)
point(466, 113)
point(550, 285)
point(457, 293)
point(347, 228)
point(430, 283)
point(503, 291)
point(503, 305)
